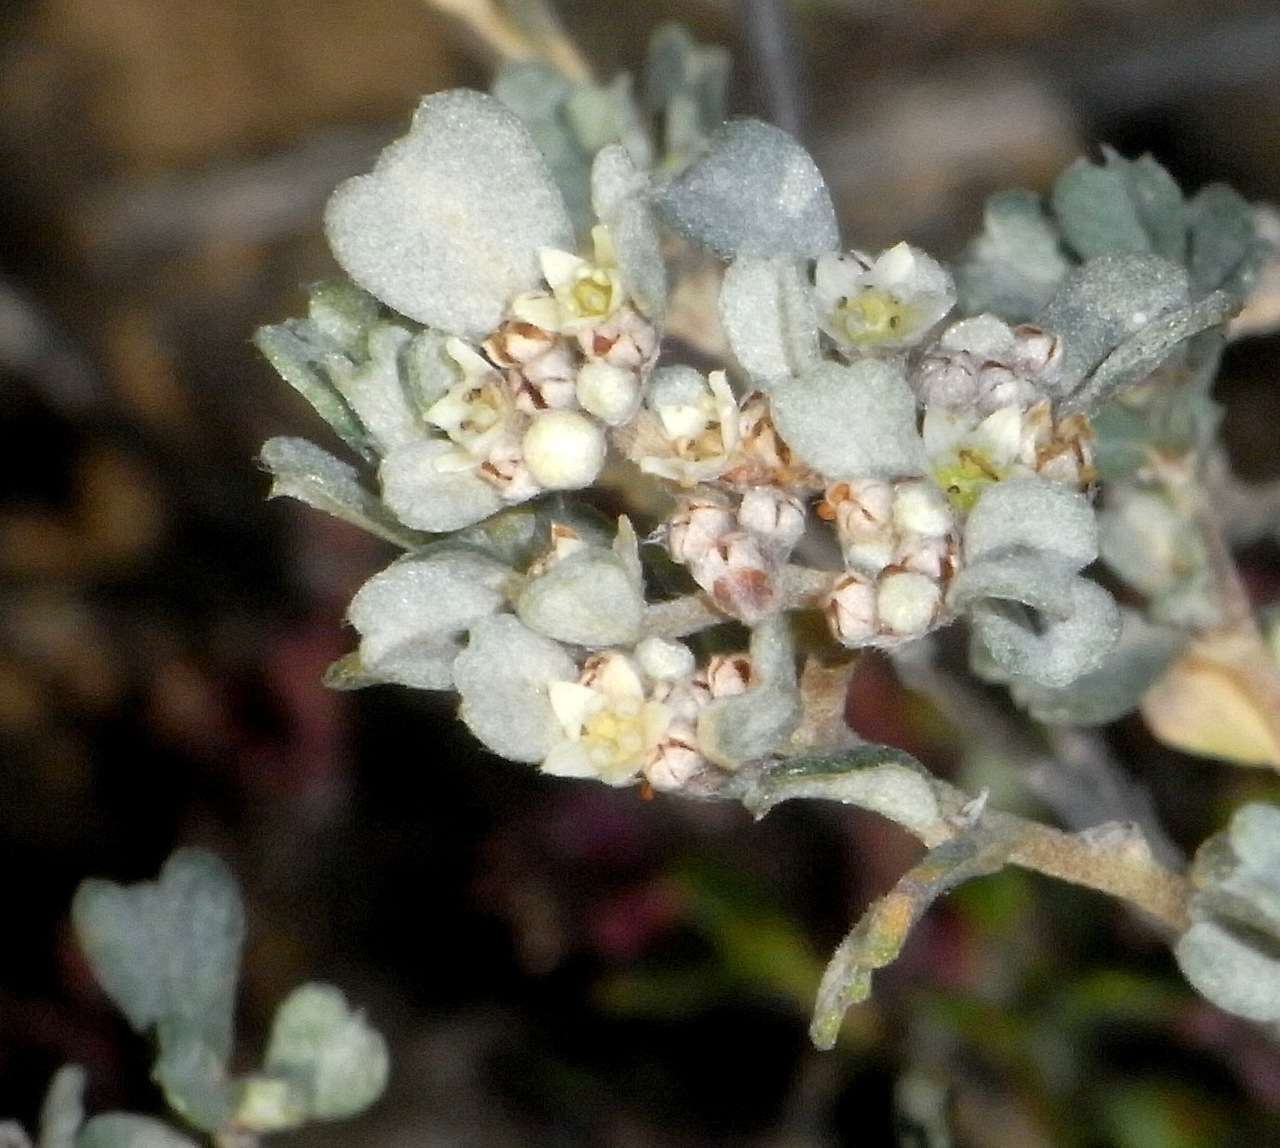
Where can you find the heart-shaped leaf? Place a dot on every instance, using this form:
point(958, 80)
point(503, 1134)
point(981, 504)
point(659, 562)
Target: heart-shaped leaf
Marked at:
point(334, 1061)
point(168, 954)
point(447, 226)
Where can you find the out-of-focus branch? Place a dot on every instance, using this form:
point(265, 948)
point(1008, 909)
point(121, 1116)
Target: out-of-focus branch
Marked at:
point(773, 61)
point(1261, 312)
point(1233, 656)
point(505, 37)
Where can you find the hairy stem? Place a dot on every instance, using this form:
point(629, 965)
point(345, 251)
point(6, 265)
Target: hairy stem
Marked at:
point(679, 617)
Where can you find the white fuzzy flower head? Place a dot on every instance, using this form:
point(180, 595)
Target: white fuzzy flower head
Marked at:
point(886, 303)
point(564, 450)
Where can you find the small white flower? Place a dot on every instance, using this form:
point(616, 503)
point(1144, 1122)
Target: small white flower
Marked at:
point(889, 302)
point(610, 728)
point(564, 450)
point(584, 293)
point(696, 426)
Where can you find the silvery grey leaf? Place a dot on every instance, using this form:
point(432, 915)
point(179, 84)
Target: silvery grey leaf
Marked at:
point(447, 226)
point(755, 192)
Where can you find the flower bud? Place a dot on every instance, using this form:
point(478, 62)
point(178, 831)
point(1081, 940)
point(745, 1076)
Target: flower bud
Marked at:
point(610, 393)
point(696, 526)
point(675, 760)
point(772, 516)
point(564, 450)
point(907, 603)
point(624, 339)
point(727, 675)
point(920, 507)
point(851, 610)
point(664, 661)
point(738, 576)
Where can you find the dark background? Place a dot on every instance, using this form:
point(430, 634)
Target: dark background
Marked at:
point(553, 963)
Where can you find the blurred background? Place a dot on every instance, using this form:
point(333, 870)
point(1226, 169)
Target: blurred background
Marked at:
point(553, 963)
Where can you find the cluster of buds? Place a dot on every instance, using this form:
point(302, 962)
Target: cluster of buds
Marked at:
point(735, 552)
point(531, 412)
point(901, 547)
point(634, 714)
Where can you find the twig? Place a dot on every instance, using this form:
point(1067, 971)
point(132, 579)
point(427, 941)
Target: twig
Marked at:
point(492, 26)
point(679, 617)
point(772, 54)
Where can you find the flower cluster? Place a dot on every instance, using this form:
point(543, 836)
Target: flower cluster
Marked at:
point(924, 466)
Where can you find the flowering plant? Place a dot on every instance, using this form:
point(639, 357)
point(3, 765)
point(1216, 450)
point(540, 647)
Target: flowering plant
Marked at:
point(886, 445)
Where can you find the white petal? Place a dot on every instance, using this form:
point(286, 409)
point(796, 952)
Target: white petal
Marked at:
point(573, 703)
point(569, 759)
point(446, 227)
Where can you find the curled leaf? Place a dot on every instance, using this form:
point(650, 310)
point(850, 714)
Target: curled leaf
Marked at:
point(878, 937)
point(766, 309)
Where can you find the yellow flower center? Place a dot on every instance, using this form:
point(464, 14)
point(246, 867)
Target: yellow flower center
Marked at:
point(591, 294)
point(615, 735)
point(965, 476)
point(872, 316)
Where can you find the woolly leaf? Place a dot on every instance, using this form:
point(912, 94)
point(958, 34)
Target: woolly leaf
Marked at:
point(1095, 211)
point(587, 599)
point(854, 421)
point(1015, 265)
point(447, 226)
point(413, 616)
point(1106, 301)
point(302, 470)
point(766, 310)
point(124, 1130)
point(503, 676)
point(336, 1063)
point(755, 192)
